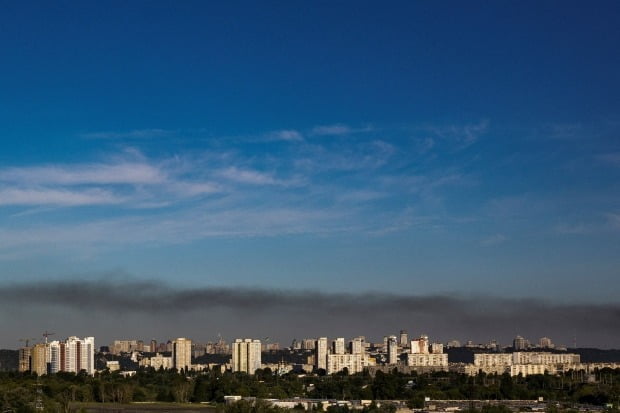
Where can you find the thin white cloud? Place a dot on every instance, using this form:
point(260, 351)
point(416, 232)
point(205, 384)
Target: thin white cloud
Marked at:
point(463, 135)
point(289, 135)
point(564, 131)
point(56, 197)
point(360, 196)
point(135, 182)
point(335, 130)
point(100, 174)
point(247, 176)
point(133, 134)
point(177, 228)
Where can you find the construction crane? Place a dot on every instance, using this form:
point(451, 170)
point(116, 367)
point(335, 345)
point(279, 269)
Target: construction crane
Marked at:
point(27, 340)
point(47, 334)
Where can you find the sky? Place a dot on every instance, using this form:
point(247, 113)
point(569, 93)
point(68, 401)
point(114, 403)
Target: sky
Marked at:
point(329, 168)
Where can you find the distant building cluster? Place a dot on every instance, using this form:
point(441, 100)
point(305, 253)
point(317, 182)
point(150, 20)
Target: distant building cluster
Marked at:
point(524, 363)
point(71, 355)
point(313, 355)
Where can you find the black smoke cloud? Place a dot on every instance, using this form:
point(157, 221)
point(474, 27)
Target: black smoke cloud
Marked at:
point(117, 308)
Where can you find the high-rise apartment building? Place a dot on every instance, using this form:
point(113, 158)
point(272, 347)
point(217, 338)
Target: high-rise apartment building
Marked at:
point(79, 355)
point(404, 337)
point(545, 342)
point(519, 343)
point(182, 354)
point(308, 344)
point(321, 353)
point(357, 345)
point(392, 350)
point(246, 355)
point(338, 346)
point(420, 345)
point(72, 355)
point(38, 359)
point(24, 359)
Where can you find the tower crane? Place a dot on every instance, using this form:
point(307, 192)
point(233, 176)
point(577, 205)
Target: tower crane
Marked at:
point(47, 334)
point(27, 340)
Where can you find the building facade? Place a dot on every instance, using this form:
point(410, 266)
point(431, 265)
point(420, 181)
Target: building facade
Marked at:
point(246, 355)
point(392, 350)
point(182, 354)
point(427, 360)
point(338, 362)
point(321, 353)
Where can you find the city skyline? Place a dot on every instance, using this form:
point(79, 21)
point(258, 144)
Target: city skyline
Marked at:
point(244, 168)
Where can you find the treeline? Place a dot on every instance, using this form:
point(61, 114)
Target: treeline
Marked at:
point(19, 392)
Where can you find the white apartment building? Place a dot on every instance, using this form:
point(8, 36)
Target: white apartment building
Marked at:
point(158, 361)
point(246, 355)
point(420, 345)
point(545, 358)
point(354, 363)
point(523, 363)
point(338, 346)
point(321, 353)
point(427, 360)
point(437, 348)
point(492, 359)
point(72, 355)
point(357, 346)
point(527, 369)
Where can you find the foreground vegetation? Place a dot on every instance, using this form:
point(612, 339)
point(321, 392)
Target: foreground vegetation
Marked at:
point(18, 392)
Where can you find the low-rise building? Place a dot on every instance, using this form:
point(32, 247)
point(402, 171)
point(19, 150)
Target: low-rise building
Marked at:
point(427, 360)
point(338, 362)
point(158, 361)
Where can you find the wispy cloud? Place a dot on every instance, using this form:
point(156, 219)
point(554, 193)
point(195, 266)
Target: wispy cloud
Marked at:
point(337, 129)
point(340, 129)
point(55, 197)
point(134, 173)
point(564, 131)
point(132, 182)
point(289, 135)
point(133, 134)
point(462, 135)
point(247, 176)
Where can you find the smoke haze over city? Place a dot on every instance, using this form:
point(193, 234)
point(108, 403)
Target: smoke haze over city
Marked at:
point(145, 309)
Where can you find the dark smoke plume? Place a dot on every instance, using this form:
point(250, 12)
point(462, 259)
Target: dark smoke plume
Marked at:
point(286, 313)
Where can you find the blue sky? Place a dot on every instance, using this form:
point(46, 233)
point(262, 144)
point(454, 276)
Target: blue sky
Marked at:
point(407, 147)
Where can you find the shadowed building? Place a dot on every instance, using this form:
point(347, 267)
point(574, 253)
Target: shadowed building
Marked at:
point(182, 354)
